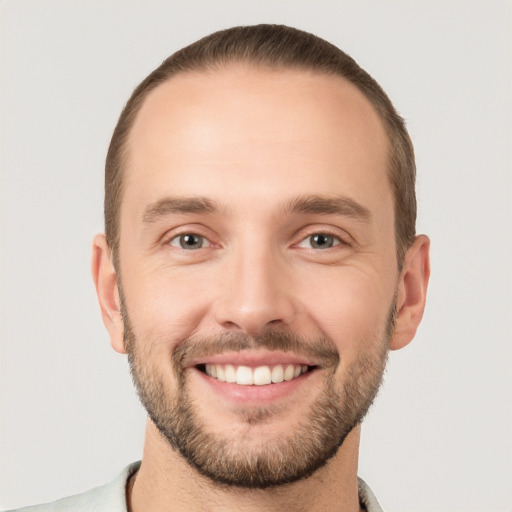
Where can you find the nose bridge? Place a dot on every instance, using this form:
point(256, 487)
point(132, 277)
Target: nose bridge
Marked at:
point(254, 292)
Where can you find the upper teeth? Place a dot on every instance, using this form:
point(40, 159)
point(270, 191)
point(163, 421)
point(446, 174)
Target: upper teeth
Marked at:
point(261, 375)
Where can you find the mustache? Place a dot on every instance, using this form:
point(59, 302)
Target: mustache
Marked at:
point(321, 350)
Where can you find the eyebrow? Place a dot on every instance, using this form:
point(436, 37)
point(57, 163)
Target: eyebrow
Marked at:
point(310, 204)
point(173, 205)
point(327, 205)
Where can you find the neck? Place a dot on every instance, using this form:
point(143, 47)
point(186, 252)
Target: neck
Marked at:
point(166, 481)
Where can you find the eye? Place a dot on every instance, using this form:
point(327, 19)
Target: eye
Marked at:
point(189, 241)
point(320, 241)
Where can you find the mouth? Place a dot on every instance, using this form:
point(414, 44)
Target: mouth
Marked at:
point(253, 378)
point(249, 378)
point(255, 375)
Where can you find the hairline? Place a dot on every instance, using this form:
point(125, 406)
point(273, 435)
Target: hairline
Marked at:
point(207, 68)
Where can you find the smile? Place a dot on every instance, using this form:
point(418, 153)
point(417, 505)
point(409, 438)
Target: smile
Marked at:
point(257, 376)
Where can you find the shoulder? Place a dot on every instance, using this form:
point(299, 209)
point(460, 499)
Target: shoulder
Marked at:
point(107, 498)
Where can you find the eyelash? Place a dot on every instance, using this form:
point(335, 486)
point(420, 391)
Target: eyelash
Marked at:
point(335, 239)
point(326, 236)
point(178, 238)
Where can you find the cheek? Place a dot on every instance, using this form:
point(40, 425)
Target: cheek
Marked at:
point(165, 310)
point(351, 308)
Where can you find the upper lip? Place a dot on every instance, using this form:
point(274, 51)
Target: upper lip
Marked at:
point(253, 358)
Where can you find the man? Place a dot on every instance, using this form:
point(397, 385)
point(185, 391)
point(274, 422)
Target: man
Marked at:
point(259, 262)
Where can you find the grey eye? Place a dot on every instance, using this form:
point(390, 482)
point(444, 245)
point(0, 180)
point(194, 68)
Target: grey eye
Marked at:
point(188, 241)
point(321, 241)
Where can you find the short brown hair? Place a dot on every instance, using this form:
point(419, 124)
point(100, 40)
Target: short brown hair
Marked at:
point(274, 46)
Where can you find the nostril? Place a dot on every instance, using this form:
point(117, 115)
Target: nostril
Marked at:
point(228, 324)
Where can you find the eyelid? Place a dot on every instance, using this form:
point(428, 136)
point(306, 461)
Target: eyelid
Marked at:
point(341, 236)
point(336, 241)
point(194, 229)
point(178, 237)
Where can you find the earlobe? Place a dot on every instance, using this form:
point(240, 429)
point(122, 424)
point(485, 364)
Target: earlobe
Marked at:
point(412, 292)
point(105, 280)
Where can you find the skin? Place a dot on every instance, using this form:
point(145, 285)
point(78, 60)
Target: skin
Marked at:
point(251, 141)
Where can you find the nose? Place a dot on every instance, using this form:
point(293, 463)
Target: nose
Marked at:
point(256, 291)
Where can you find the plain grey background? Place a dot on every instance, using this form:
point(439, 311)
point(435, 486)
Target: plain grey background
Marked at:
point(440, 435)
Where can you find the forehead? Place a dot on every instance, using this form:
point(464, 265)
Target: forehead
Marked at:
point(259, 126)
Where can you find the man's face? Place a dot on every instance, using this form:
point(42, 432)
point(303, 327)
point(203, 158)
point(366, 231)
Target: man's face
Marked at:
point(257, 245)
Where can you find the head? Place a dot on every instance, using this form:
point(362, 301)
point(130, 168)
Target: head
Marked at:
point(273, 47)
point(260, 257)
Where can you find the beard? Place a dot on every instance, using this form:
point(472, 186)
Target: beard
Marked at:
point(282, 458)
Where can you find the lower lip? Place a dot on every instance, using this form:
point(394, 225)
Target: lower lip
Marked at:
point(253, 394)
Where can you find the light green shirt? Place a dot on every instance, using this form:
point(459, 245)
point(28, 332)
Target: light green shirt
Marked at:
point(112, 497)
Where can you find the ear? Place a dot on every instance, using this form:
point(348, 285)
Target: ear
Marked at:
point(105, 280)
point(412, 292)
